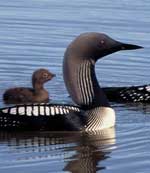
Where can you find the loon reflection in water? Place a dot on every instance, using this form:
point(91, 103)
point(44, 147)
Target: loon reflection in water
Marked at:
point(93, 112)
point(82, 152)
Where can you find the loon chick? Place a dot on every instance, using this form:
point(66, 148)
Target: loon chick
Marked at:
point(134, 94)
point(93, 111)
point(30, 95)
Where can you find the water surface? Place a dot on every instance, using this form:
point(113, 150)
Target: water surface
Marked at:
point(35, 34)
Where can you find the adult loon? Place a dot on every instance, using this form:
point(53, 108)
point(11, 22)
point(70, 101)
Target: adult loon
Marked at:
point(30, 95)
point(93, 111)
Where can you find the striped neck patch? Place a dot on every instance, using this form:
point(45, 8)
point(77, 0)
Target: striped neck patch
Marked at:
point(85, 84)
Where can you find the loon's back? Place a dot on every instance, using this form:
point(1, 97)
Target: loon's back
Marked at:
point(128, 94)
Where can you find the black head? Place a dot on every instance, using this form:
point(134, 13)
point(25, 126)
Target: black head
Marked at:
point(96, 45)
point(41, 76)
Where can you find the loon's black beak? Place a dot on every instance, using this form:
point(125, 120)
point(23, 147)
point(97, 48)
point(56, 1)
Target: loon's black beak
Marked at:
point(125, 46)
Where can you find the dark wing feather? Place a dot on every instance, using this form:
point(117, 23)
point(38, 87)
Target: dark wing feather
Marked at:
point(18, 95)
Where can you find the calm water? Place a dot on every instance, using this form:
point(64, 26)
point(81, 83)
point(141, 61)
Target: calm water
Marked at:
point(34, 34)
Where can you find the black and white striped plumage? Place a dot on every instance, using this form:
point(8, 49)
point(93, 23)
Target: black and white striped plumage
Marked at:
point(41, 117)
point(133, 94)
point(94, 111)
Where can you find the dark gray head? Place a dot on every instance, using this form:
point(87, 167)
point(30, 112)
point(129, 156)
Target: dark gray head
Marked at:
point(41, 76)
point(97, 45)
point(79, 70)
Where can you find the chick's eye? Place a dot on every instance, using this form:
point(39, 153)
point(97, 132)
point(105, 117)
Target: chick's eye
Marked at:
point(45, 75)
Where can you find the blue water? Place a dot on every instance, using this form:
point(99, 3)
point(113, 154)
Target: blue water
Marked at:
point(35, 34)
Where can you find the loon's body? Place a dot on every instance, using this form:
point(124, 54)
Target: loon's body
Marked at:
point(93, 111)
point(134, 94)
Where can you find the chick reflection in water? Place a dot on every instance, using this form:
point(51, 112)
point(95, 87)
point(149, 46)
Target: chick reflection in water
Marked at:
point(82, 152)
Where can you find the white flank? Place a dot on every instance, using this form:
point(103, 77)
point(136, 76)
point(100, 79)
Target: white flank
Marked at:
point(29, 110)
point(67, 110)
point(13, 111)
point(5, 111)
point(52, 111)
point(41, 110)
point(47, 110)
point(61, 111)
point(64, 110)
point(57, 110)
point(147, 88)
point(35, 111)
point(21, 110)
